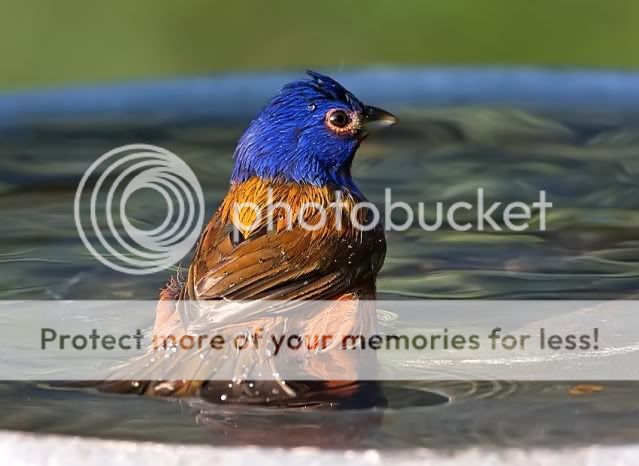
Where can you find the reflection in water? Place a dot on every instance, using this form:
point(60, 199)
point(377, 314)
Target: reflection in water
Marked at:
point(587, 163)
point(310, 425)
point(320, 429)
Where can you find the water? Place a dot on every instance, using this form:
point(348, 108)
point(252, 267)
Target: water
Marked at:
point(586, 162)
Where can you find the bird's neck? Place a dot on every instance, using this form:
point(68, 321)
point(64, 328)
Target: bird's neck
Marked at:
point(308, 173)
point(288, 160)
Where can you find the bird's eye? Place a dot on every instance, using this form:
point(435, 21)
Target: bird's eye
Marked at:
point(338, 119)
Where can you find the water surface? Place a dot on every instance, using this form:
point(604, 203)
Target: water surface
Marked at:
point(587, 162)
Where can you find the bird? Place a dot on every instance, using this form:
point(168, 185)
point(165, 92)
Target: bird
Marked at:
point(299, 149)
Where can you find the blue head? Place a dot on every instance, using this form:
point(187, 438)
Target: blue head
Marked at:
point(308, 133)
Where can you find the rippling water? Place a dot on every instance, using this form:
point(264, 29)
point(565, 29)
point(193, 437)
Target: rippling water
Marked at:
point(587, 163)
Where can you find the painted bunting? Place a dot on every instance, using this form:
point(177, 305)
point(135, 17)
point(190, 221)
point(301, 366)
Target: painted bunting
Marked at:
point(297, 152)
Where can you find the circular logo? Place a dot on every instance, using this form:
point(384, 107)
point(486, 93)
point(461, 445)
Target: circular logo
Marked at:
point(126, 244)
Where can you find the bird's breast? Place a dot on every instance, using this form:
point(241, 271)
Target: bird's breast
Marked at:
point(277, 205)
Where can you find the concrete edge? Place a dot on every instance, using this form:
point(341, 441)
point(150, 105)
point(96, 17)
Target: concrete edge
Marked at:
point(26, 449)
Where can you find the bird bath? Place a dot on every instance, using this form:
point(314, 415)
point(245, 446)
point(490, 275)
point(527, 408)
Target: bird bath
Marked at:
point(575, 133)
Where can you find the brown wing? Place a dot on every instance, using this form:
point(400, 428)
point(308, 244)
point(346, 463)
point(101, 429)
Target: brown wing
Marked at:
point(290, 264)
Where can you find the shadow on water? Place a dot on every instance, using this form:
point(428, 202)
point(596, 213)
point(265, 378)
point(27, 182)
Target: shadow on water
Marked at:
point(586, 162)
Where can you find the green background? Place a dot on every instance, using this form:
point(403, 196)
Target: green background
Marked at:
point(56, 42)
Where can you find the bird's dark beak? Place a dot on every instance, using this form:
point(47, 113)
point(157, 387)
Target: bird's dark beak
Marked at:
point(376, 119)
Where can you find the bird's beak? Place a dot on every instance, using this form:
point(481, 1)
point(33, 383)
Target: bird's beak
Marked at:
point(376, 119)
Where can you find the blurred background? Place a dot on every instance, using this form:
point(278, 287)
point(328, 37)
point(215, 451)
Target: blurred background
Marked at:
point(66, 42)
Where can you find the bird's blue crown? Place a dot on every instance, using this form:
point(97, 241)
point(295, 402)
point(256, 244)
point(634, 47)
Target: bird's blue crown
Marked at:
point(308, 133)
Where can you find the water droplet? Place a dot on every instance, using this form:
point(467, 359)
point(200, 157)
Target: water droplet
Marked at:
point(223, 398)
